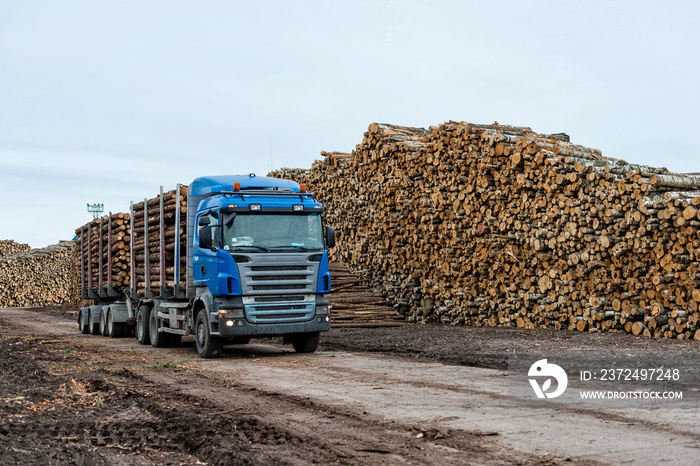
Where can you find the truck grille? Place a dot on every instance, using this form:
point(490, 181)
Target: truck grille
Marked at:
point(275, 299)
point(275, 268)
point(276, 287)
point(291, 273)
point(280, 316)
point(278, 277)
point(279, 313)
point(281, 308)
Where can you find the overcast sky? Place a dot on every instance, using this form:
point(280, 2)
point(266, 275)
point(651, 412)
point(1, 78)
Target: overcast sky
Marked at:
point(103, 102)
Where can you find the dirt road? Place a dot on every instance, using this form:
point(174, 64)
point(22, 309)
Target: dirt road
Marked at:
point(86, 399)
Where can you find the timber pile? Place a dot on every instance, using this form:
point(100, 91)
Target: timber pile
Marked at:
point(497, 225)
point(148, 273)
point(356, 304)
point(104, 244)
point(38, 277)
point(8, 247)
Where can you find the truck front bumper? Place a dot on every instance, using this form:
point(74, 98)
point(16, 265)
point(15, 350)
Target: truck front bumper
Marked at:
point(241, 327)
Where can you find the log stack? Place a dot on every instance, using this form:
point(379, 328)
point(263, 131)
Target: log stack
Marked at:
point(490, 225)
point(104, 245)
point(39, 277)
point(147, 217)
point(356, 304)
point(9, 247)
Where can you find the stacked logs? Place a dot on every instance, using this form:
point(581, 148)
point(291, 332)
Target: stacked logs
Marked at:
point(8, 247)
point(38, 277)
point(148, 272)
point(497, 225)
point(355, 304)
point(104, 245)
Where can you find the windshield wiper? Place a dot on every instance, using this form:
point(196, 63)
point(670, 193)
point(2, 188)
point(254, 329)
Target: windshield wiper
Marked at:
point(260, 248)
point(292, 246)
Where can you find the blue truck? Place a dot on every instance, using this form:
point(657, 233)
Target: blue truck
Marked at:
point(253, 262)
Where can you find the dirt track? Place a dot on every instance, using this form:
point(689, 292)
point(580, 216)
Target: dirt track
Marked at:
point(371, 396)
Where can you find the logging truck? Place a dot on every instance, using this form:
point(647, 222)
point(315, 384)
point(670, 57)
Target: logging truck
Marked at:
point(226, 259)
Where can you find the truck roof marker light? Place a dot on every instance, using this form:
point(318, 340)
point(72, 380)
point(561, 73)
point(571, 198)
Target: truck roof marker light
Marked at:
point(302, 188)
point(236, 186)
point(255, 207)
point(298, 207)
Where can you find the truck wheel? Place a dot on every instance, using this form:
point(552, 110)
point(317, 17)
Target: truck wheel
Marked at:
point(113, 330)
point(207, 346)
point(158, 339)
point(306, 342)
point(83, 322)
point(142, 325)
point(92, 325)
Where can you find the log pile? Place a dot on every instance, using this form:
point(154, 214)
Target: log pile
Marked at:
point(148, 272)
point(490, 225)
point(39, 277)
point(356, 304)
point(8, 247)
point(104, 245)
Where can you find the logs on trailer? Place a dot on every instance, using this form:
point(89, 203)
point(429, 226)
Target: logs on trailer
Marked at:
point(490, 225)
point(101, 243)
point(107, 241)
point(154, 251)
point(38, 277)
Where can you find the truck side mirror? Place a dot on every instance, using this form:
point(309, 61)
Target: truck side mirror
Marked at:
point(203, 221)
point(205, 237)
point(330, 236)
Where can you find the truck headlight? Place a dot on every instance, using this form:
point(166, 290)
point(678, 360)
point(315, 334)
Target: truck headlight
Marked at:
point(230, 313)
point(322, 310)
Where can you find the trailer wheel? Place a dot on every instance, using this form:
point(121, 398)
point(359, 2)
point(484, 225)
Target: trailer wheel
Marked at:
point(306, 342)
point(92, 325)
point(207, 346)
point(113, 330)
point(142, 325)
point(103, 324)
point(83, 322)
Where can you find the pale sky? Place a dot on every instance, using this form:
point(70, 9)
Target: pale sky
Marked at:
point(103, 101)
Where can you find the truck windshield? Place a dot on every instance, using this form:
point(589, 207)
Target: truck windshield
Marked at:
point(273, 232)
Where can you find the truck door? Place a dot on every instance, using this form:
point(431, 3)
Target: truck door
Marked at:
point(205, 263)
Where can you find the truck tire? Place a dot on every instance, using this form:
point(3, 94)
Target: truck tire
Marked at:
point(306, 342)
point(83, 322)
point(142, 325)
point(158, 339)
point(207, 346)
point(92, 325)
point(113, 330)
point(103, 324)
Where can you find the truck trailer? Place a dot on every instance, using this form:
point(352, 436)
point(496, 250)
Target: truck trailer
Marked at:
point(253, 262)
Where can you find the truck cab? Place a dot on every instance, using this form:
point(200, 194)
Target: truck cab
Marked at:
point(259, 262)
